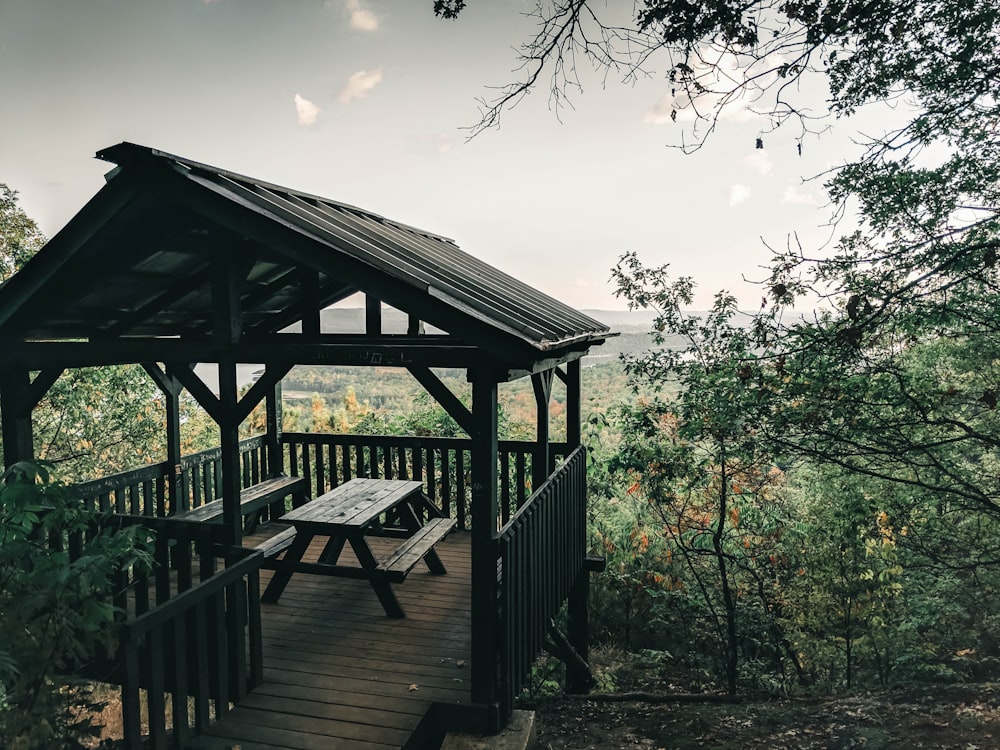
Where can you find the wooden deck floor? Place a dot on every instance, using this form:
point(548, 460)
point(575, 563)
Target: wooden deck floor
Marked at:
point(339, 674)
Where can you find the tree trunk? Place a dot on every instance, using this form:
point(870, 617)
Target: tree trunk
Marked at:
point(728, 600)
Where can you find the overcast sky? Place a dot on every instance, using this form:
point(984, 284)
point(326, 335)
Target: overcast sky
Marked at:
point(363, 101)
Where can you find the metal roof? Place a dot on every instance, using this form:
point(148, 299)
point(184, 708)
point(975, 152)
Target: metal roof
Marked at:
point(136, 261)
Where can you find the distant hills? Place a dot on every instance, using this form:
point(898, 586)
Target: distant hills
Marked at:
point(633, 328)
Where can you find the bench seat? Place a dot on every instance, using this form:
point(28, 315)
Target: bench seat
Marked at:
point(414, 548)
point(252, 500)
point(278, 543)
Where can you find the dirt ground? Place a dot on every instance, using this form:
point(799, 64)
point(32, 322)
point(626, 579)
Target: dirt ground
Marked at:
point(963, 717)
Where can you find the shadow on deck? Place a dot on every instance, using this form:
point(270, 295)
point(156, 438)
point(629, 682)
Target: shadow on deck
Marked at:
point(339, 674)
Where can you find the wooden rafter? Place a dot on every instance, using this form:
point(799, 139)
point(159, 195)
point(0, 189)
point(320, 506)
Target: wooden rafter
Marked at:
point(448, 400)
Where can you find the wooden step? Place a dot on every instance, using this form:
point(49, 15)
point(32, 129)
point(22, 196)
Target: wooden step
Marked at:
point(409, 553)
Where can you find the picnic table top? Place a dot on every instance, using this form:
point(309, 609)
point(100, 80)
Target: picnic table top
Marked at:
point(354, 504)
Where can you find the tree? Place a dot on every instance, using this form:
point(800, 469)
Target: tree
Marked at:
point(57, 575)
point(698, 454)
point(20, 237)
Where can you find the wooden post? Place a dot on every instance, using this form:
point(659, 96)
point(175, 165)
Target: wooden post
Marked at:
point(573, 398)
point(171, 387)
point(577, 607)
point(229, 440)
point(15, 408)
point(227, 329)
point(578, 629)
point(373, 315)
point(484, 552)
point(172, 398)
point(275, 457)
point(541, 462)
point(309, 299)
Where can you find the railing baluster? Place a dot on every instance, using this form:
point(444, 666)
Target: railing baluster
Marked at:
point(521, 485)
point(307, 469)
point(196, 487)
point(179, 692)
point(504, 486)
point(460, 504)
point(154, 691)
point(202, 686)
point(320, 471)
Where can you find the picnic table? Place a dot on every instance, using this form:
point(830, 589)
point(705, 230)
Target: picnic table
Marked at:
point(349, 514)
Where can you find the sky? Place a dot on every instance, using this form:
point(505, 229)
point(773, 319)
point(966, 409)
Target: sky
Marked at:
point(368, 102)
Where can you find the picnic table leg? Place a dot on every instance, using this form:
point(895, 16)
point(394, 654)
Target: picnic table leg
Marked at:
point(409, 519)
point(382, 587)
point(281, 577)
point(331, 553)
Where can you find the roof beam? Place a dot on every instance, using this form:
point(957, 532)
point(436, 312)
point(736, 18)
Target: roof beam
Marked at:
point(346, 349)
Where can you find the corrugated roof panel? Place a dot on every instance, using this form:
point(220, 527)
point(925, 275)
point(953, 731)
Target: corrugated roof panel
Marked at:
point(411, 255)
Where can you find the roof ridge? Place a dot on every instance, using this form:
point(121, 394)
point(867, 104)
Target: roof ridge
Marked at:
point(124, 152)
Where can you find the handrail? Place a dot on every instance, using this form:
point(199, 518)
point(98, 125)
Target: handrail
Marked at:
point(185, 600)
point(158, 470)
point(548, 533)
point(200, 643)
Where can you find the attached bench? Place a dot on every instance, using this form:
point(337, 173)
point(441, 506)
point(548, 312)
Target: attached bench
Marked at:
point(414, 548)
point(278, 543)
point(252, 501)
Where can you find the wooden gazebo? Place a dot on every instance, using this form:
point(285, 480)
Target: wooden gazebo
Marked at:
point(175, 262)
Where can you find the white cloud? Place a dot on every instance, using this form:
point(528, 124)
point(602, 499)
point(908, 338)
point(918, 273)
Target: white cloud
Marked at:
point(720, 94)
point(445, 142)
point(738, 194)
point(795, 194)
point(361, 19)
point(359, 84)
point(306, 110)
point(759, 161)
point(662, 112)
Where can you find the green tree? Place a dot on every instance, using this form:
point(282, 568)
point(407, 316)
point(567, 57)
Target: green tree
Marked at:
point(20, 236)
point(699, 455)
point(56, 604)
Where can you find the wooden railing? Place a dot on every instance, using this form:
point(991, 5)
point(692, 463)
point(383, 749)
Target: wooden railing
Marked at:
point(189, 646)
point(442, 464)
point(326, 460)
point(540, 551)
point(145, 491)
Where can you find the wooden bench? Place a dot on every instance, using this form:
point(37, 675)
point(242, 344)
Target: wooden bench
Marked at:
point(403, 559)
point(253, 500)
point(278, 543)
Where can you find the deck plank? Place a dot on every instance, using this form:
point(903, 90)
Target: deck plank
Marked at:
point(338, 673)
